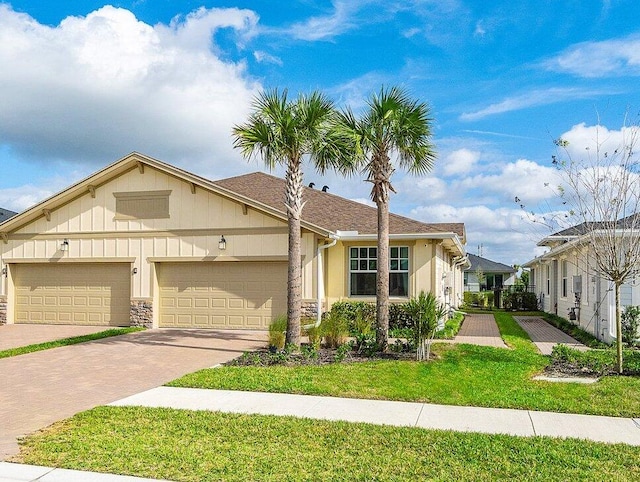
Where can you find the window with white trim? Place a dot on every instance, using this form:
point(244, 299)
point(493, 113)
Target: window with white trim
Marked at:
point(548, 273)
point(363, 266)
point(565, 269)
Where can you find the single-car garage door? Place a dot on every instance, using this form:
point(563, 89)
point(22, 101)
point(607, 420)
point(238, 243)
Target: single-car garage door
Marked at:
point(222, 294)
point(77, 294)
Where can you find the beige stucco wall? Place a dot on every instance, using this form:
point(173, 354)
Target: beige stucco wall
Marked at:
point(428, 261)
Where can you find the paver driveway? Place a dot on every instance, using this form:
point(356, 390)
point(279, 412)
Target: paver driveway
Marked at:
point(39, 388)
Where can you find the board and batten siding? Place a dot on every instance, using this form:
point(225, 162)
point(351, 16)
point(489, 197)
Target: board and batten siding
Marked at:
point(190, 233)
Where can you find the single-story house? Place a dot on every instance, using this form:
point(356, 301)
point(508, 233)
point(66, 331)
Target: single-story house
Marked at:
point(496, 275)
point(6, 214)
point(142, 242)
point(569, 284)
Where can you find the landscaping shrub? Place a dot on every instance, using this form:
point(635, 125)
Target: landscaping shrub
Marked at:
point(630, 323)
point(469, 298)
point(424, 313)
point(520, 301)
point(357, 312)
point(315, 336)
point(352, 311)
point(596, 361)
point(364, 334)
point(334, 329)
point(574, 331)
point(451, 327)
point(483, 299)
point(277, 331)
point(399, 319)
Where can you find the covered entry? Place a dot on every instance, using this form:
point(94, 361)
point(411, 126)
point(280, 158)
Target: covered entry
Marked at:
point(226, 294)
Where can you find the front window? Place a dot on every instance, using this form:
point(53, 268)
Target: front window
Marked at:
point(548, 270)
point(363, 265)
point(565, 270)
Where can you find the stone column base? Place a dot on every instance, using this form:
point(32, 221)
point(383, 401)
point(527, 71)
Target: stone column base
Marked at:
point(3, 311)
point(141, 313)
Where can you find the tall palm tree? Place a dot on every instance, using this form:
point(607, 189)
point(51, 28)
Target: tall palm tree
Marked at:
point(394, 129)
point(284, 131)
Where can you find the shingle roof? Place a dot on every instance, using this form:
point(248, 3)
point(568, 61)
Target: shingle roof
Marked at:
point(487, 265)
point(329, 211)
point(6, 214)
point(631, 221)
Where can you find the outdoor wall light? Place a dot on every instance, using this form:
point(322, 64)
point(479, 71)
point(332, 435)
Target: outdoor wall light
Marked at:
point(4, 271)
point(65, 245)
point(222, 244)
point(135, 270)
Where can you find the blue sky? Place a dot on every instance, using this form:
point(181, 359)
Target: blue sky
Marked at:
point(84, 83)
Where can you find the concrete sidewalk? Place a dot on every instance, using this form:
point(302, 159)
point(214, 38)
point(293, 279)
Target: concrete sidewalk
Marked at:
point(32, 473)
point(422, 415)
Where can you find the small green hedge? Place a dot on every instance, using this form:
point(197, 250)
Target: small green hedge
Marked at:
point(574, 331)
point(598, 362)
point(482, 299)
point(399, 319)
point(520, 301)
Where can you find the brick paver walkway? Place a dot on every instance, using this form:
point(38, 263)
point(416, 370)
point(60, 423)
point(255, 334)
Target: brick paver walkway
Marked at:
point(40, 388)
point(14, 336)
point(480, 329)
point(546, 336)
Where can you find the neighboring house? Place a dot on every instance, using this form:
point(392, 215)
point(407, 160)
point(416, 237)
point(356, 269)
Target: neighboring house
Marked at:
point(142, 242)
point(496, 275)
point(568, 283)
point(6, 214)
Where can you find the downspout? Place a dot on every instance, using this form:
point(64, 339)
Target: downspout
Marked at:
point(320, 280)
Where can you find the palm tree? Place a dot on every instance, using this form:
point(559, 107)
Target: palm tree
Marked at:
point(394, 129)
point(284, 131)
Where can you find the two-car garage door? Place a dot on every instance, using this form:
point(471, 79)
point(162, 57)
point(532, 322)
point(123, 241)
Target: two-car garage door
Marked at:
point(202, 295)
point(72, 293)
point(221, 294)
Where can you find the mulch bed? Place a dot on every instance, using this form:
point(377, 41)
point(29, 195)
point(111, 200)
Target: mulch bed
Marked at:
point(323, 356)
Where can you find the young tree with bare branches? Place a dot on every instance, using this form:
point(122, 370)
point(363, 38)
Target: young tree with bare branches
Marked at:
point(601, 189)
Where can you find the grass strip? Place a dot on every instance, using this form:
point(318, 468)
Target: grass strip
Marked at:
point(22, 350)
point(463, 375)
point(186, 445)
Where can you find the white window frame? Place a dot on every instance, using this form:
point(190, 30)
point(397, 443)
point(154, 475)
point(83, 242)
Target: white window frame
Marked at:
point(564, 270)
point(368, 259)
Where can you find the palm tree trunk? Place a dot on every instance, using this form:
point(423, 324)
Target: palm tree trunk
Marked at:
point(382, 281)
point(293, 204)
point(618, 329)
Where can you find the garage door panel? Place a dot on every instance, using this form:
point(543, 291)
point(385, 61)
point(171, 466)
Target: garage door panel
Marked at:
point(83, 293)
point(229, 294)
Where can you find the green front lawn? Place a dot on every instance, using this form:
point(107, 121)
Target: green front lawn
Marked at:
point(184, 445)
point(464, 375)
point(22, 350)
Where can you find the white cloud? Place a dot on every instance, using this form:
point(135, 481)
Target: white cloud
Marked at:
point(97, 87)
point(410, 32)
point(357, 91)
point(532, 99)
point(507, 235)
point(325, 27)
point(265, 57)
point(527, 180)
point(460, 161)
point(480, 30)
point(590, 141)
point(20, 198)
point(618, 57)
